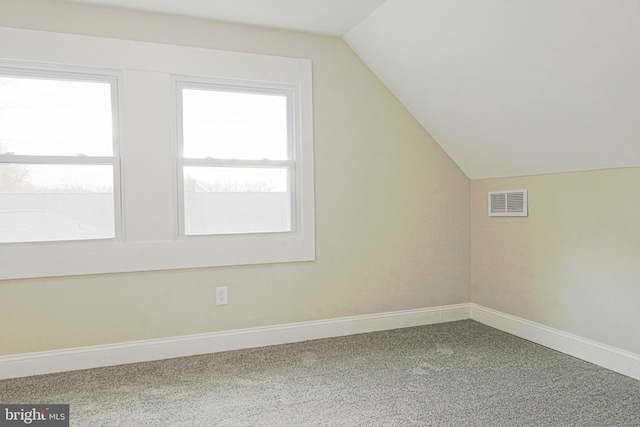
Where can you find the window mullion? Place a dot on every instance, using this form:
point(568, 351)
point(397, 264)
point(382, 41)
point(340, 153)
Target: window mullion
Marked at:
point(238, 163)
point(57, 160)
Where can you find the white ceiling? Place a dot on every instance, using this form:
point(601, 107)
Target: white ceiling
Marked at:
point(514, 87)
point(328, 17)
point(506, 87)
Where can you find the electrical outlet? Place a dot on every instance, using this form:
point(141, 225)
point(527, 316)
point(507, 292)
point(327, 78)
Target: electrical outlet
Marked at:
point(222, 298)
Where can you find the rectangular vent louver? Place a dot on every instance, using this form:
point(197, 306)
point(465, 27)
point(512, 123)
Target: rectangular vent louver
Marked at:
point(508, 203)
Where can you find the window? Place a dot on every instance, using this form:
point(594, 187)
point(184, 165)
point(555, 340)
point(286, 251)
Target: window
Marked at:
point(237, 164)
point(58, 166)
point(88, 131)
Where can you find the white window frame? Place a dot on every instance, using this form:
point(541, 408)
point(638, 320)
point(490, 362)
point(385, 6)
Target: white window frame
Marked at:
point(147, 152)
point(77, 74)
point(294, 143)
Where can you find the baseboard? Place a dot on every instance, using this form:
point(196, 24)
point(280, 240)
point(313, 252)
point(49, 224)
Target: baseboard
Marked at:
point(612, 358)
point(46, 362)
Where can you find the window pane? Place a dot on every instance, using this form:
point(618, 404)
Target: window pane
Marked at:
point(232, 125)
point(236, 200)
point(56, 202)
point(55, 117)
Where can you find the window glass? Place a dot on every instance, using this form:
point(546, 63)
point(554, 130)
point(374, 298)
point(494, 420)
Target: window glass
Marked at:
point(56, 202)
point(237, 160)
point(57, 169)
point(234, 125)
point(55, 117)
point(236, 200)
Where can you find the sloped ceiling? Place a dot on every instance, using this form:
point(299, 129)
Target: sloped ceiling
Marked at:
point(514, 87)
point(507, 87)
point(328, 17)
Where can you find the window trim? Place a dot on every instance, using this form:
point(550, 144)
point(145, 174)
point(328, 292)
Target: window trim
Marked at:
point(23, 69)
point(147, 158)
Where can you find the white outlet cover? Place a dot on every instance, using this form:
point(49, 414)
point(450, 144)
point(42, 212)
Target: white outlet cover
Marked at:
point(222, 297)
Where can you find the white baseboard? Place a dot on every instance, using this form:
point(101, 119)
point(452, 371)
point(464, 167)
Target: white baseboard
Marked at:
point(46, 362)
point(617, 360)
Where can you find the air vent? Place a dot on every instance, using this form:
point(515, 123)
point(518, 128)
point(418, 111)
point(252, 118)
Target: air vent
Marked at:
point(508, 203)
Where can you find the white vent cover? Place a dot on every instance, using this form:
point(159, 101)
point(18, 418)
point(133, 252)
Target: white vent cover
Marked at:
point(508, 203)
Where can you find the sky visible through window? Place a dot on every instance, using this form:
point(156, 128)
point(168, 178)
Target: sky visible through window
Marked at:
point(233, 125)
point(44, 195)
point(242, 136)
point(47, 117)
point(226, 125)
point(52, 117)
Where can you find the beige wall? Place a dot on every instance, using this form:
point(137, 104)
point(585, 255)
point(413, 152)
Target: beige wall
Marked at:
point(574, 263)
point(392, 210)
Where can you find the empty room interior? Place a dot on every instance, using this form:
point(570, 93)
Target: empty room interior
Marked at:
point(434, 162)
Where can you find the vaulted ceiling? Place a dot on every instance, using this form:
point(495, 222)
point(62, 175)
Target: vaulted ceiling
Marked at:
point(506, 87)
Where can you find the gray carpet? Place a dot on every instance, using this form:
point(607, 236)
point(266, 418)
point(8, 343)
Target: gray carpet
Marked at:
point(452, 374)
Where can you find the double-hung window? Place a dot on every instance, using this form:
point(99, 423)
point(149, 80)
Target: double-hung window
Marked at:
point(236, 157)
point(215, 166)
point(59, 164)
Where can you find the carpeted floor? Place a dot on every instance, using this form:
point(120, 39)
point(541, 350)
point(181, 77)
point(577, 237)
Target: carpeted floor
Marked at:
point(451, 374)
